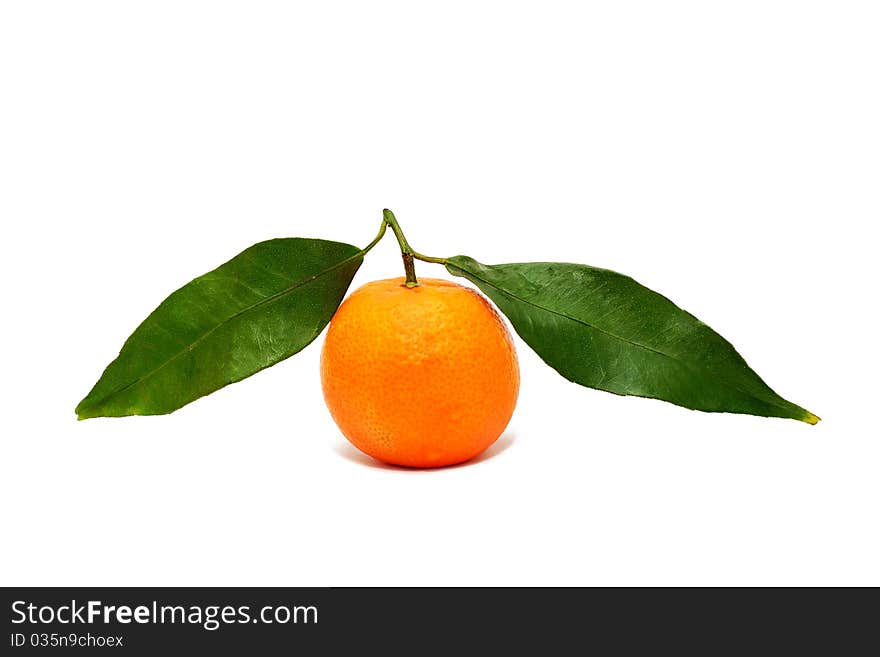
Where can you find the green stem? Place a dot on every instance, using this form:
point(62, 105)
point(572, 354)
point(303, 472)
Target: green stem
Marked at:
point(424, 258)
point(376, 239)
point(391, 220)
point(406, 251)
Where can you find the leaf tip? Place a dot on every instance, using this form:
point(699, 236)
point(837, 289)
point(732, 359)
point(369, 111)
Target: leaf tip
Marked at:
point(82, 412)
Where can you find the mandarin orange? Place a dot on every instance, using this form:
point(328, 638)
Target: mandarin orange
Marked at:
point(422, 376)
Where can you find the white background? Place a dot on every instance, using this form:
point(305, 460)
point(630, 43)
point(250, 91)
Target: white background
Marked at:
point(725, 154)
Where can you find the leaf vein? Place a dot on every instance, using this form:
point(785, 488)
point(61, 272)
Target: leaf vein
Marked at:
point(206, 334)
point(675, 359)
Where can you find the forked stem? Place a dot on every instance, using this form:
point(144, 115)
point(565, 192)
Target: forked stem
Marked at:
point(406, 251)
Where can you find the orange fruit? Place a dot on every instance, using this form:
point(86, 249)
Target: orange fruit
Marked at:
point(422, 377)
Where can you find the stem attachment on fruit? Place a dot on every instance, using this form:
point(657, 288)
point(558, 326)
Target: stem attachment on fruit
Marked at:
point(406, 251)
point(409, 267)
point(408, 254)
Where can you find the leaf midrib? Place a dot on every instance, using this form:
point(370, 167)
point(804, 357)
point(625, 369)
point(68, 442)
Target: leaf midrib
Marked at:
point(206, 334)
point(621, 338)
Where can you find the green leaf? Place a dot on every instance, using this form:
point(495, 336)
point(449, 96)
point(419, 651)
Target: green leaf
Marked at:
point(604, 330)
point(264, 305)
